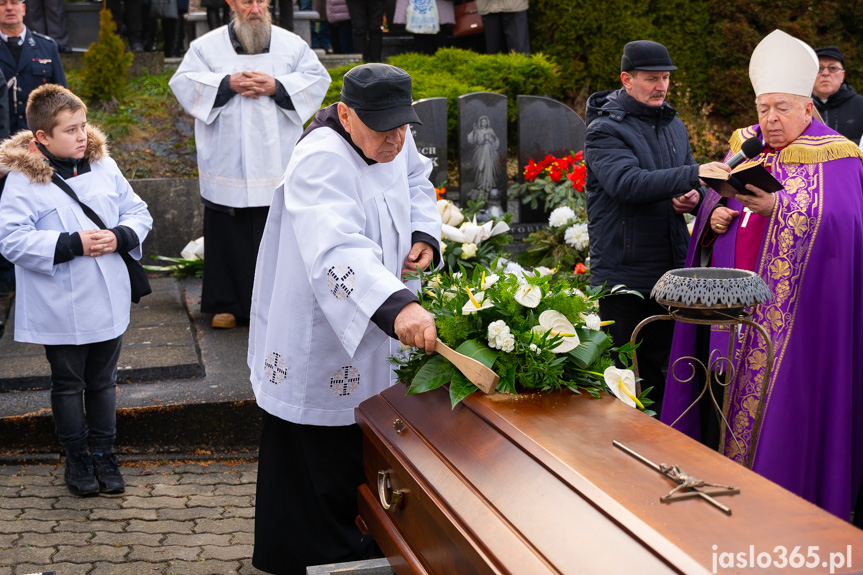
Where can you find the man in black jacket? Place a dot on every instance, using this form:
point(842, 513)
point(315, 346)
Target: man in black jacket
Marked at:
point(641, 179)
point(840, 106)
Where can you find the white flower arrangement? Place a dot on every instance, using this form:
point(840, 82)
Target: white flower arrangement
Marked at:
point(560, 216)
point(576, 236)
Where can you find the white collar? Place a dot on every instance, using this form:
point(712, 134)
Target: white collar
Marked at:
point(20, 37)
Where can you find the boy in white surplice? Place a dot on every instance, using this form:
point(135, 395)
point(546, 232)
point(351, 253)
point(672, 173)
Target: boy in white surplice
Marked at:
point(354, 213)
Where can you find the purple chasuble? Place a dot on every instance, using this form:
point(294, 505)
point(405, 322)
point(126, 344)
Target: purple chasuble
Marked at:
point(810, 439)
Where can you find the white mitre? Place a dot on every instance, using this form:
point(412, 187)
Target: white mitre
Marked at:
point(783, 64)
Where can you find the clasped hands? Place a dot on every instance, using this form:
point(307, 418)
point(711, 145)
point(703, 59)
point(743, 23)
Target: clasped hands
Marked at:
point(253, 84)
point(98, 242)
point(761, 203)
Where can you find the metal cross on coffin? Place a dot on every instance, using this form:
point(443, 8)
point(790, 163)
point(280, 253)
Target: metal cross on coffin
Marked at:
point(684, 482)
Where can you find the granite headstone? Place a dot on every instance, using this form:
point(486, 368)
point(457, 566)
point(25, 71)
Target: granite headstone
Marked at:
point(482, 149)
point(431, 135)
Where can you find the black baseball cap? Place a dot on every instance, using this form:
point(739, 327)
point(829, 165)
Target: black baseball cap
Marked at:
point(646, 55)
point(831, 52)
point(380, 94)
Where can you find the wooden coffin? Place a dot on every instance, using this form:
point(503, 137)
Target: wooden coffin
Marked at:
point(533, 485)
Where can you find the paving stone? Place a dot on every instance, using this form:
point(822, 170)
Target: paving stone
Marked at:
point(248, 569)
point(224, 526)
point(23, 480)
point(210, 479)
point(7, 539)
point(59, 568)
point(33, 470)
point(129, 539)
point(225, 553)
point(5, 570)
point(9, 491)
point(132, 568)
point(26, 526)
point(10, 514)
point(44, 491)
point(161, 526)
point(154, 503)
point(197, 539)
point(219, 501)
point(91, 553)
point(56, 514)
point(168, 553)
point(137, 491)
point(91, 503)
point(25, 502)
point(242, 489)
point(204, 568)
point(91, 526)
point(17, 555)
point(249, 477)
point(117, 514)
point(193, 513)
point(53, 539)
point(243, 538)
point(238, 512)
point(173, 490)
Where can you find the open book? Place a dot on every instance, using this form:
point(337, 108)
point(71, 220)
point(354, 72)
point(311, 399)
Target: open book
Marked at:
point(734, 183)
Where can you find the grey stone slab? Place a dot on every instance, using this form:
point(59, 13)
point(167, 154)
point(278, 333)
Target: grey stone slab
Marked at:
point(132, 568)
point(209, 567)
point(172, 490)
point(59, 568)
point(91, 553)
point(161, 526)
point(227, 552)
point(191, 513)
point(243, 489)
point(28, 526)
point(431, 135)
point(197, 539)
point(175, 204)
point(546, 126)
point(90, 526)
point(154, 503)
point(56, 514)
point(164, 553)
point(219, 501)
point(225, 526)
point(19, 555)
point(53, 539)
point(125, 514)
point(365, 567)
point(482, 147)
point(133, 539)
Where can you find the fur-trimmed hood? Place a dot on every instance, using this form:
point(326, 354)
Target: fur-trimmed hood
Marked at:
point(15, 157)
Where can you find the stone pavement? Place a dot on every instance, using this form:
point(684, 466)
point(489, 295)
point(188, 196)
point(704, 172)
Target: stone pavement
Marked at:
point(176, 518)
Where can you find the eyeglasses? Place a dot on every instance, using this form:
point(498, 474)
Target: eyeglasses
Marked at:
point(833, 68)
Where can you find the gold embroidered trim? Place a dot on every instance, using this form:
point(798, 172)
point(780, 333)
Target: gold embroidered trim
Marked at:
point(805, 149)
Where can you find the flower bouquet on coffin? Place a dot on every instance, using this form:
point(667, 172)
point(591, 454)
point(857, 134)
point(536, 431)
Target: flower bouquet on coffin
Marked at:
point(535, 333)
point(555, 182)
point(466, 241)
point(563, 244)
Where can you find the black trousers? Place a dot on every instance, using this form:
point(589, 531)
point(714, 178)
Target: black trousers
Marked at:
point(627, 311)
point(506, 32)
point(231, 243)
point(366, 19)
point(306, 500)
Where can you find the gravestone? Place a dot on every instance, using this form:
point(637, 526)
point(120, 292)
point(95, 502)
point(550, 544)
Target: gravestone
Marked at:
point(545, 127)
point(482, 149)
point(431, 136)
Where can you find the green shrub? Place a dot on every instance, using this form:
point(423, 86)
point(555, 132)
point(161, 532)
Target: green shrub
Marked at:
point(106, 63)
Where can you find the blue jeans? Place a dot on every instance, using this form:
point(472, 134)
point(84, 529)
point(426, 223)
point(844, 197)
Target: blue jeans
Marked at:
point(84, 394)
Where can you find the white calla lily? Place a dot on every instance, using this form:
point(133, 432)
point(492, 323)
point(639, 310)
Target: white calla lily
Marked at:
point(555, 323)
point(621, 382)
point(449, 213)
point(475, 302)
point(528, 295)
point(453, 234)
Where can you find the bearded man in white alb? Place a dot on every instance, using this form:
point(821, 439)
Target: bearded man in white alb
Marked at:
point(250, 86)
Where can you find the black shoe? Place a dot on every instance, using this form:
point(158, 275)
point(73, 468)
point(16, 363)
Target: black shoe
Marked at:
point(108, 473)
point(79, 475)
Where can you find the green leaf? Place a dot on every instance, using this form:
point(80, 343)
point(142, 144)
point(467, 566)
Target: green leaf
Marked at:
point(593, 343)
point(433, 374)
point(479, 351)
point(459, 388)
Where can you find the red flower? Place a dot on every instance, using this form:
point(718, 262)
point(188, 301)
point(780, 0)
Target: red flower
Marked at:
point(439, 192)
point(580, 268)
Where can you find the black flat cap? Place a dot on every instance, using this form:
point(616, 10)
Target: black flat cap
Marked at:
point(646, 55)
point(380, 94)
point(831, 52)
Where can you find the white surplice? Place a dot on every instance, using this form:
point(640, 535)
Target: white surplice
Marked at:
point(337, 235)
point(244, 146)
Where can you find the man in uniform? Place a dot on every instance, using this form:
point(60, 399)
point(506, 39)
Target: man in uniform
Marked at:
point(27, 61)
point(805, 242)
point(841, 108)
point(250, 86)
point(353, 216)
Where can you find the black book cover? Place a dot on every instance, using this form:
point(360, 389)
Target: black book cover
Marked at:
point(734, 183)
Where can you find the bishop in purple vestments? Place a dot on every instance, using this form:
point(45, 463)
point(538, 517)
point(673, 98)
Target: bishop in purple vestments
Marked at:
point(806, 243)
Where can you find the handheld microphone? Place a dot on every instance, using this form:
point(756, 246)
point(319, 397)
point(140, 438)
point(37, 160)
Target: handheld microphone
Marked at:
point(750, 148)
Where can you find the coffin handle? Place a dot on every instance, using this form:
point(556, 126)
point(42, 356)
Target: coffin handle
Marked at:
point(383, 486)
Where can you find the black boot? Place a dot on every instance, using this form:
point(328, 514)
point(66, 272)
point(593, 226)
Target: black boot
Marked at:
point(79, 475)
point(169, 37)
point(108, 475)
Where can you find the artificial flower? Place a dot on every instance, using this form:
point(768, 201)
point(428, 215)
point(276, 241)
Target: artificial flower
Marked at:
point(592, 321)
point(488, 281)
point(577, 236)
point(544, 271)
point(194, 250)
point(500, 336)
point(528, 295)
point(449, 213)
point(560, 216)
point(475, 302)
point(555, 323)
point(473, 233)
point(468, 251)
point(621, 382)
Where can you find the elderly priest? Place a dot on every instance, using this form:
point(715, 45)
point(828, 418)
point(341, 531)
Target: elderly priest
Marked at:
point(806, 243)
point(250, 87)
